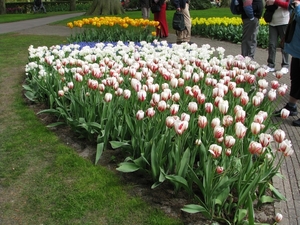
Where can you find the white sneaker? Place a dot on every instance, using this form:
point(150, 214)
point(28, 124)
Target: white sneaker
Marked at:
point(270, 69)
point(284, 70)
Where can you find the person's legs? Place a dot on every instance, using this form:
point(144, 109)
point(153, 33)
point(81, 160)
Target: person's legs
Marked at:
point(273, 39)
point(295, 90)
point(249, 42)
point(285, 56)
point(185, 35)
point(144, 12)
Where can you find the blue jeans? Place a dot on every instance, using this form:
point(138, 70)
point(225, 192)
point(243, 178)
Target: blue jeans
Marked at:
point(276, 32)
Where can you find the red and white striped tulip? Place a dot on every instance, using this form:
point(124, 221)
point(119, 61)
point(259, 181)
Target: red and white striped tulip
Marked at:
point(279, 135)
point(265, 139)
point(174, 109)
point(215, 150)
point(255, 128)
point(126, 94)
point(192, 107)
point(227, 120)
point(218, 132)
point(284, 113)
point(219, 169)
point(208, 107)
point(170, 121)
point(255, 147)
point(180, 126)
point(202, 121)
point(150, 112)
point(229, 141)
point(162, 105)
point(142, 95)
point(240, 130)
point(107, 97)
point(140, 115)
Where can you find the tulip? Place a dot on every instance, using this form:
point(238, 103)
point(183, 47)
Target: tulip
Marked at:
point(174, 82)
point(282, 90)
point(256, 100)
point(228, 152)
point(198, 142)
point(229, 141)
point(70, 85)
point(126, 94)
point(272, 95)
point(215, 122)
point(223, 106)
point(161, 106)
point(61, 93)
point(278, 217)
point(255, 147)
point(279, 135)
point(150, 112)
point(201, 98)
point(288, 152)
point(192, 107)
point(208, 107)
point(185, 117)
point(136, 84)
point(180, 126)
point(170, 121)
point(284, 145)
point(142, 95)
point(284, 113)
point(274, 84)
point(240, 116)
point(278, 74)
point(218, 132)
point(240, 130)
point(227, 120)
point(255, 128)
point(265, 139)
point(140, 115)
point(107, 97)
point(174, 109)
point(215, 150)
point(202, 121)
point(176, 97)
point(219, 169)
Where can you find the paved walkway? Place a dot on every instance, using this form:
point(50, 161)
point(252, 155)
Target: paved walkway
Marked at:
point(289, 186)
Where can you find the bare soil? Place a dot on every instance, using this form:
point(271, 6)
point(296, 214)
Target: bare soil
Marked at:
point(162, 197)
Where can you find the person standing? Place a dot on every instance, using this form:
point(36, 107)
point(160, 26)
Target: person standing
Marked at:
point(183, 6)
point(277, 29)
point(293, 48)
point(251, 12)
point(162, 31)
point(145, 7)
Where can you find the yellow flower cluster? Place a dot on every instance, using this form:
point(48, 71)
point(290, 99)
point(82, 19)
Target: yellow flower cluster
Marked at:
point(113, 21)
point(226, 21)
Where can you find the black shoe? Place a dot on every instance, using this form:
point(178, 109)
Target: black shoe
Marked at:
point(296, 123)
point(293, 111)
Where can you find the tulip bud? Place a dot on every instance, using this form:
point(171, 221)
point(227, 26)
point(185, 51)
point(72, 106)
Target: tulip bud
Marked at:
point(219, 169)
point(107, 97)
point(279, 135)
point(192, 107)
point(202, 121)
point(140, 115)
point(278, 217)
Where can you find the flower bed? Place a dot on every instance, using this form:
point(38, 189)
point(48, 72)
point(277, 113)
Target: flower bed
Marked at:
point(184, 114)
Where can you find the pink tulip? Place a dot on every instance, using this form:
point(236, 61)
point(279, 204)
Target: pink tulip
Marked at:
point(202, 121)
point(140, 115)
point(279, 135)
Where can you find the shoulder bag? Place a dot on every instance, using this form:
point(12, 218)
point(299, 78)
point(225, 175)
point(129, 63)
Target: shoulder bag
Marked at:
point(178, 21)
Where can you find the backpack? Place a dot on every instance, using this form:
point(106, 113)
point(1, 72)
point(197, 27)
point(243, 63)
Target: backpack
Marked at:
point(178, 21)
point(236, 9)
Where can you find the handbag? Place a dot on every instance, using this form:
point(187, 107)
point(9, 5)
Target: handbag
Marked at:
point(178, 21)
point(268, 14)
point(155, 8)
point(289, 32)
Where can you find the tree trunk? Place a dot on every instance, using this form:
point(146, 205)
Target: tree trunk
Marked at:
point(72, 5)
point(2, 7)
point(104, 7)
